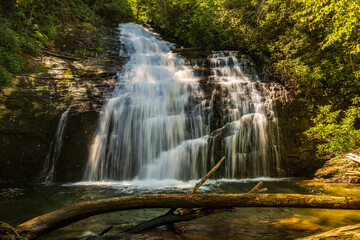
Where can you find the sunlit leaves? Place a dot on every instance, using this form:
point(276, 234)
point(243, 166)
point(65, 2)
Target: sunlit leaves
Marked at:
point(340, 20)
point(335, 130)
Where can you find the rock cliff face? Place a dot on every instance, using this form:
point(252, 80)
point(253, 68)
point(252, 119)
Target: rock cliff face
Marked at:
point(30, 111)
point(298, 154)
point(298, 157)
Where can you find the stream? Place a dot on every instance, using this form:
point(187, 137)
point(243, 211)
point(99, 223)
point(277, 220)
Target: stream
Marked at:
point(22, 203)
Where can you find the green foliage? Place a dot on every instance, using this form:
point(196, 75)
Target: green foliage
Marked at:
point(336, 130)
point(116, 11)
point(27, 26)
point(312, 45)
point(339, 19)
point(10, 61)
point(5, 76)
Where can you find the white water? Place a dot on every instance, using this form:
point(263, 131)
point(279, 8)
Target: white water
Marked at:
point(144, 130)
point(155, 126)
point(151, 185)
point(254, 147)
point(48, 172)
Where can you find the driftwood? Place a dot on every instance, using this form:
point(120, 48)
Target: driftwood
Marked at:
point(257, 188)
point(186, 214)
point(353, 173)
point(356, 159)
point(207, 176)
point(170, 218)
point(353, 157)
point(57, 219)
point(347, 232)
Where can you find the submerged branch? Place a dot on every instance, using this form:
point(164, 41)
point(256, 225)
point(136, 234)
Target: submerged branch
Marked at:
point(170, 218)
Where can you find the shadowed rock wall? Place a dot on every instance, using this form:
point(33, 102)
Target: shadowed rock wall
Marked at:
point(30, 111)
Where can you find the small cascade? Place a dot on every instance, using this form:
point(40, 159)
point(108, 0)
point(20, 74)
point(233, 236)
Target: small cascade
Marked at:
point(165, 122)
point(47, 174)
point(251, 137)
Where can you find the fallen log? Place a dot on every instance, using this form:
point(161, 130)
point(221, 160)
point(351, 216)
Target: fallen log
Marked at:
point(179, 230)
point(189, 213)
point(353, 173)
point(353, 157)
point(186, 214)
point(41, 225)
point(347, 232)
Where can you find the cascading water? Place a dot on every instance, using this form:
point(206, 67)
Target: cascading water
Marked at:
point(149, 129)
point(251, 137)
point(156, 124)
point(47, 174)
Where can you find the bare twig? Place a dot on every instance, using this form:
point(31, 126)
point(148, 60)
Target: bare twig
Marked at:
point(257, 189)
point(207, 176)
point(353, 157)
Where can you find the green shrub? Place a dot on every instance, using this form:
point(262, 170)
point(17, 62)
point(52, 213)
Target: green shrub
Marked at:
point(116, 11)
point(336, 131)
point(5, 76)
point(10, 60)
point(9, 39)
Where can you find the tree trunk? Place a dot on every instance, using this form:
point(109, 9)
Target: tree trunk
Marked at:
point(57, 219)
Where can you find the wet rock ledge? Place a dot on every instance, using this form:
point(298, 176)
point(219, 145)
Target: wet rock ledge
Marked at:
point(78, 72)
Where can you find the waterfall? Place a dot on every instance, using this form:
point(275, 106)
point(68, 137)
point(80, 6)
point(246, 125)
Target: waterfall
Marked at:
point(253, 145)
point(148, 128)
point(157, 124)
point(47, 174)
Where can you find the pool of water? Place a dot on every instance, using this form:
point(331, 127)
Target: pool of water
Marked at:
point(19, 204)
